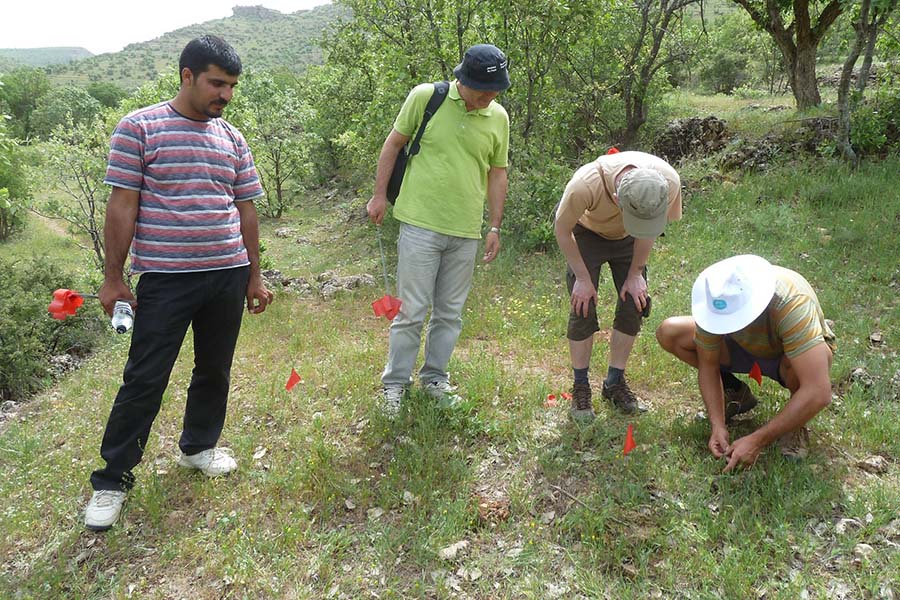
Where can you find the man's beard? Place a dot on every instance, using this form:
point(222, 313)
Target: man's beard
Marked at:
point(214, 110)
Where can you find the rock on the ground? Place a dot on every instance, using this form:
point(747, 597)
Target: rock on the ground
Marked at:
point(64, 363)
point(873, 464)
point(861, 376)
point(691, 137)
point(451, 551)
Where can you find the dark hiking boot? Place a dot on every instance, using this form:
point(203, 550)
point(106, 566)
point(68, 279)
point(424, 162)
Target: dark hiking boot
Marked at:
point(738, 401)
point(582, 410)
point(623, 398)
point(794, 445)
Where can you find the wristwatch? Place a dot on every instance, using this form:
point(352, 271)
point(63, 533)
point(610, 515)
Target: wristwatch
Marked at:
point(495, 230)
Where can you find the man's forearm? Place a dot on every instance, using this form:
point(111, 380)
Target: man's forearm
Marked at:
point(569, 248)
point(498, 185)
point(387, 159)
point(118, 232)
point(640, 256)
point(804, 404)
point(250, 233)
point(710, 383)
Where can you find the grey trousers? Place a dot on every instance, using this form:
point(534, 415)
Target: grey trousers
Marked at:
point(433, 271)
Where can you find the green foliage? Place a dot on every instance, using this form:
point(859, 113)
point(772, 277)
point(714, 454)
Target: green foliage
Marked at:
point(63, 106)
point(868, 130)
point(534, 192)
point(278, 126)
point(164, 87)
point(265, 259)
point(28, 336)
point(74, 164)
point(14, 184)
point(106, 93)
point(875, 124)
point(737, 54)
point(20, 91)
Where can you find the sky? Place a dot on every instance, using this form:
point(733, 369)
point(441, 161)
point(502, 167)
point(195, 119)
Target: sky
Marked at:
point(110, 25)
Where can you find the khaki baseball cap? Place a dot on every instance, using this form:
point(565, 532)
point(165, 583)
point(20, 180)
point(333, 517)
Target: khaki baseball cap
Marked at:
point(644, 199)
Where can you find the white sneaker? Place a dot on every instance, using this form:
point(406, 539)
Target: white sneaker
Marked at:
point(212, 462)
point(443, 392)
point(103, 510)
point(391, 398)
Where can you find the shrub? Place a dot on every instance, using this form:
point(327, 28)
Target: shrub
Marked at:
point(534, 191)
point(28, 336)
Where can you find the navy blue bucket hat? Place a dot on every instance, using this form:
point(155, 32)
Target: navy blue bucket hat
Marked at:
point(485, 68)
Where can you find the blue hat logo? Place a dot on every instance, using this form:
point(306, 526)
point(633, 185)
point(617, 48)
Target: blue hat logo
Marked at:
point(719, 304)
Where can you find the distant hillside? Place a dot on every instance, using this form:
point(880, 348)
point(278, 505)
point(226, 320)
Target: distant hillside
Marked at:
point(264, 38)
point(40, 57)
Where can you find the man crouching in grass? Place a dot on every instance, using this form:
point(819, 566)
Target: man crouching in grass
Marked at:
point(748, 312)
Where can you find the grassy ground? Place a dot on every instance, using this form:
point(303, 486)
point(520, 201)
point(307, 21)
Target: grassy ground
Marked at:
point(331, 501)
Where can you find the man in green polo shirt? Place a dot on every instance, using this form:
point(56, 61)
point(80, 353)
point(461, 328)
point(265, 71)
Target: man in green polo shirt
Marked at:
point(462, 161)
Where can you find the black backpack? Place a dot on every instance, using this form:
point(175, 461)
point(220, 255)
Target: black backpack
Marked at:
point(403, 157)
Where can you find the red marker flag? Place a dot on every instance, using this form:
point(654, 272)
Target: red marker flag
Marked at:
point(613, 150)
point(64, 303)
point(629, 440)
point(756, 373)
point(293, 380)
point(387, 306)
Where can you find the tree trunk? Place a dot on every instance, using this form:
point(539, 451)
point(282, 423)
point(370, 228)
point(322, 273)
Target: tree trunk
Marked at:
point(866, 34)
point(805, 87)
point(842, 137)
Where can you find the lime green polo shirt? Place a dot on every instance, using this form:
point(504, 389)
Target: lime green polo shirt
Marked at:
point(445, 185)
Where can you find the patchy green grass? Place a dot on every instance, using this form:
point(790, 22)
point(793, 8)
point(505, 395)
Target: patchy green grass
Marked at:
point(42, 237)
point(752, 117)
point(333, 501)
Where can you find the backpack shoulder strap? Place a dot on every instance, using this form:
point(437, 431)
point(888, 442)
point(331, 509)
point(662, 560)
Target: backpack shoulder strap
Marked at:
point(437, 98)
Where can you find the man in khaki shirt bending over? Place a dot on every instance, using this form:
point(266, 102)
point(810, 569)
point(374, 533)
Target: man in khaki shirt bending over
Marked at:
point(611, 212)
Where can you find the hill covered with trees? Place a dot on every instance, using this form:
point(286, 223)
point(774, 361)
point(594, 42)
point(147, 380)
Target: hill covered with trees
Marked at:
point(40, 57)
point(264, 38)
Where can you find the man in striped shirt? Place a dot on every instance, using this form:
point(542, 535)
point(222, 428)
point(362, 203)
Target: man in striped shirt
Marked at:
point(183, 183)
point(749, 316)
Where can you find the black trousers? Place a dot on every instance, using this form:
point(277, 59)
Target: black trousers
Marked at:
point(212, 303)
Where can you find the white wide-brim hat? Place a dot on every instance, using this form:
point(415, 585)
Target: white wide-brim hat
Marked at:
point(730, 294)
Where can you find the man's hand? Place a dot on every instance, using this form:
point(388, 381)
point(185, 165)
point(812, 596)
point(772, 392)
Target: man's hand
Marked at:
point(112, 290)
point(743, 452)
point(583, 292)
point(718, 442)
point(491, 246)
point(635, 285)
point(258, 297)
point(377, 207)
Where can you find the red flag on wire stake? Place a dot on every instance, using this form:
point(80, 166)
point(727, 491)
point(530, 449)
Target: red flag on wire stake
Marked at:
point(65, 303)
point(387, 306)
point(293, 380)
point(613, 150)
point(629, 440)
point(756, 373)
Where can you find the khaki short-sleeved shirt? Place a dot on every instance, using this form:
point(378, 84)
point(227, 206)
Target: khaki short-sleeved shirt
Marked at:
point(588, 198)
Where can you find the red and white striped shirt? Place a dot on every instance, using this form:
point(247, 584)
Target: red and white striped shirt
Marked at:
point(189, 174)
